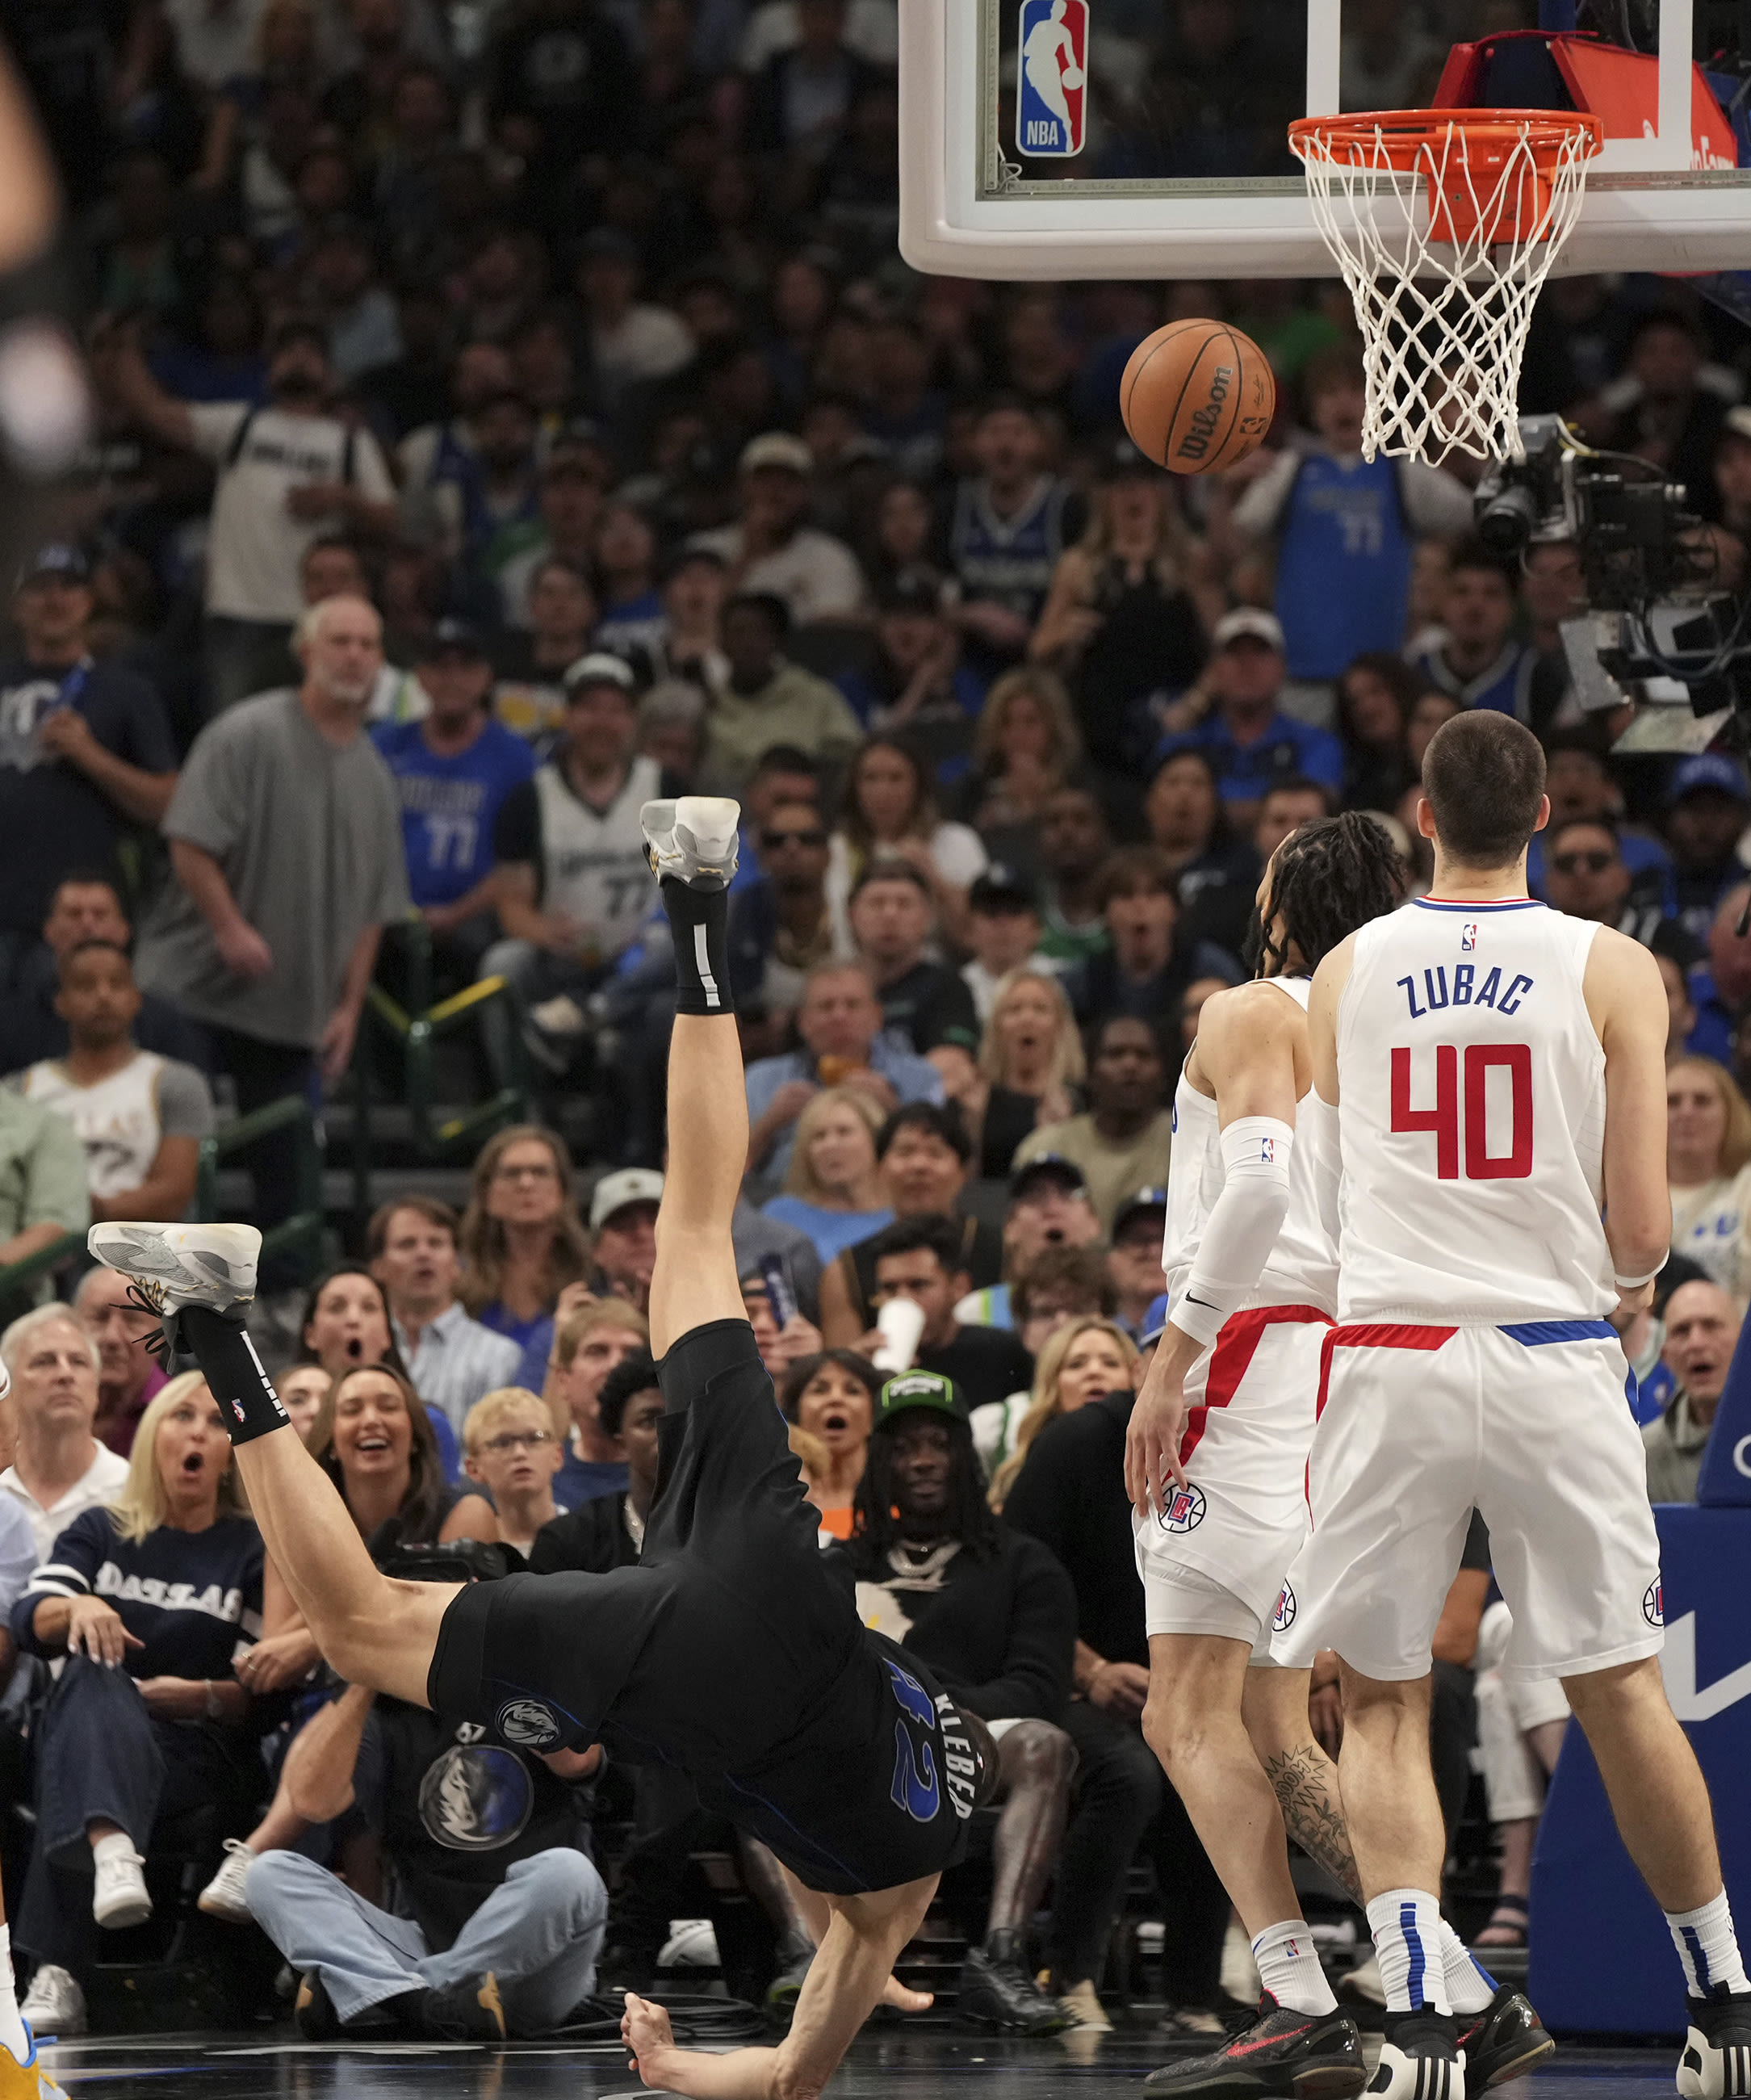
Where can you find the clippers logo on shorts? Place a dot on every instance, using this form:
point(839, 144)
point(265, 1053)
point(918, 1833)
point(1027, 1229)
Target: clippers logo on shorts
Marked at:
point(1468, 939)
point(1654, 1604)
point(1284, 1616)
point(1052, 46)
point(916, 1789)
point(527, 1723)
point(1184, 1510)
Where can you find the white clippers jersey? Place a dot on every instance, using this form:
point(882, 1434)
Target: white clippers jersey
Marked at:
point(1303, 1268)
point(1471, 1119)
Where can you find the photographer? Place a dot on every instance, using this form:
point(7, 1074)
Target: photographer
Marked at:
point(502, 1910)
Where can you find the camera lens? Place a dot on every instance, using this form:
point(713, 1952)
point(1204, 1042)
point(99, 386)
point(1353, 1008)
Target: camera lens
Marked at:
point(1504, 523)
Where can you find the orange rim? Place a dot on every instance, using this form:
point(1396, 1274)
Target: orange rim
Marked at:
point(1402, 134)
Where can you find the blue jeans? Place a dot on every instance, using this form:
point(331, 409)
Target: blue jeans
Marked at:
point(539, 1932)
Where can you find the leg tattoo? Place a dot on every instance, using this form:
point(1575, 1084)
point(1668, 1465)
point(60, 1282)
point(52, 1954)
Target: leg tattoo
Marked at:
point(1306, 1785)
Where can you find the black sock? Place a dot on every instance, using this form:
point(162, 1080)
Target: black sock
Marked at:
point(222, 1346)
point(700, 921)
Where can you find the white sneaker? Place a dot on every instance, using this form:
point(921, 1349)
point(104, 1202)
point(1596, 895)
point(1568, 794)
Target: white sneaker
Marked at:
point(119, 1899)
point(224, 1895)
point(1364, 1982)
point(53, 2006)
point(694, 840)
point(178, 1265)
point(1082, 2001)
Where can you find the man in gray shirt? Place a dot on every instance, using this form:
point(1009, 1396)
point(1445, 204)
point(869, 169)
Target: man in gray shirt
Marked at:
point(285, 837)
point(1702, 1331)
point(454, 1360)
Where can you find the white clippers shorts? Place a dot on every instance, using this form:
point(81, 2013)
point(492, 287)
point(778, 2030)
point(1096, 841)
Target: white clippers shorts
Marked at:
point(1213, 1560)
point(1529, 1424)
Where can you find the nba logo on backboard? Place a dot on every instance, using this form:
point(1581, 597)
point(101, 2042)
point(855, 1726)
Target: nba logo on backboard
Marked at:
point(1468, 938)
point(1051, 69)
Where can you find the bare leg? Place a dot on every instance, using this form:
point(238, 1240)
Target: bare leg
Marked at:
point(1036, 1760)
point(1654, 1782)
point(1274, 1705)
point(815, 1914)
point(1193, 1723)
point(1391, 1805)
point(371, 1630)
point(695, 1279)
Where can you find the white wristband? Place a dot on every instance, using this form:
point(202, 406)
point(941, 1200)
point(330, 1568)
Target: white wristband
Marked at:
point(1635, 1282)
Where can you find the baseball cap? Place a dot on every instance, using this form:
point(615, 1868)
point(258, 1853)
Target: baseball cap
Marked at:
point(776, 448)
point(1248, 622)
point(1146, 1199)
point(598, 668)
point(614, 1192)
point(1708, 770)
point(1049, 1166)
point(60, 557)
point(456, 636)
point(918, 1389)
point(1737, 422)
point(1002, 888)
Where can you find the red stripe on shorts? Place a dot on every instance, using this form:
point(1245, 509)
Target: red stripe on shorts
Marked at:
point(1381, 1334)
point(1236, 1347)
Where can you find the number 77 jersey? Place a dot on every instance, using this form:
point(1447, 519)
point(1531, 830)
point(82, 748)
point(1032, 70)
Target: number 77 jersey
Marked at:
point(1471, 1089)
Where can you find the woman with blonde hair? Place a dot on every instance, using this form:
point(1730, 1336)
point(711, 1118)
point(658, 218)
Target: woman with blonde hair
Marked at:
point(1708, 1170)
point(1030, 1058)
point(1025, 746)
point(1087, 1358)
point(1130, 611)
point(831, 1186)
point(522, 1239)
point(149, 1600)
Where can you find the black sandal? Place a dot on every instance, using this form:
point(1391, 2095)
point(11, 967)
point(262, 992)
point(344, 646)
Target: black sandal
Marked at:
point(1514, 1921)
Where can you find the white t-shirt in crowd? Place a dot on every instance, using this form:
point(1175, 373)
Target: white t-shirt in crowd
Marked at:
point(255, 544)
point(1709, 1227)
point(101, 1482)
point(957, 852)
point(121, 1121)
point(815, 575)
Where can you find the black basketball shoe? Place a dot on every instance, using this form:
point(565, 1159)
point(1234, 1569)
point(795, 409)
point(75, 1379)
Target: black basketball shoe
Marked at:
point(1296, 2056)
point(1501, 2042)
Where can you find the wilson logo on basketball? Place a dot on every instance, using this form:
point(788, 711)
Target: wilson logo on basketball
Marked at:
point(1207, 415)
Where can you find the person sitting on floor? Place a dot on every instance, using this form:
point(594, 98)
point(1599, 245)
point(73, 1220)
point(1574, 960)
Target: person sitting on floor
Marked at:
point(500, 1910)
point(150, 1599)
point(514, 1453)
point(993, 1617)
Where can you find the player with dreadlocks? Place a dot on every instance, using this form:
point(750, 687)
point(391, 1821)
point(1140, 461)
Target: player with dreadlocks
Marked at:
point(1215, 1461)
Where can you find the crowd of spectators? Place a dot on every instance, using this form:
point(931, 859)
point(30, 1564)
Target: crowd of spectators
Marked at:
point(512, 411)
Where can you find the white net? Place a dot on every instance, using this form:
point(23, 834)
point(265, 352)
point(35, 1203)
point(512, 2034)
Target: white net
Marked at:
point(1445, 231)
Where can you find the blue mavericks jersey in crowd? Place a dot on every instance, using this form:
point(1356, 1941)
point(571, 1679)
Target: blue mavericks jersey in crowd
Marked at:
point(1344, 564)
point(1010, 561)
point(193, 1597)
point(448, 805)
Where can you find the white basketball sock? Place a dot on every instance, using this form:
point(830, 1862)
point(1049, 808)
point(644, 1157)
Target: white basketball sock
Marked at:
point(1470, 1985)
point(1288, 1968)
point(1406, 1925)
point(1708, 1948)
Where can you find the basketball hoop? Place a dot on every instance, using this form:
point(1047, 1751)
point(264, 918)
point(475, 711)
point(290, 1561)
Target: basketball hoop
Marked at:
point(1444, 308)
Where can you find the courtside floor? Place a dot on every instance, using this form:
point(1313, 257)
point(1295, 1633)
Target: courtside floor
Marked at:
point(927, 2063)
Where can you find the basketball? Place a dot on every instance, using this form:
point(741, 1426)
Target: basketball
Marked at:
point(1196, 396)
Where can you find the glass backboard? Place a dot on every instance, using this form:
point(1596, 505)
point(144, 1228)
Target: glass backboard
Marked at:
point(1062, 139)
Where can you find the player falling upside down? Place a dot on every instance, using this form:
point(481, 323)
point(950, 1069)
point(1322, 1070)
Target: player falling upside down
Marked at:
point(1216, 1462)
point(1499, 1076)
point(730, 1650)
